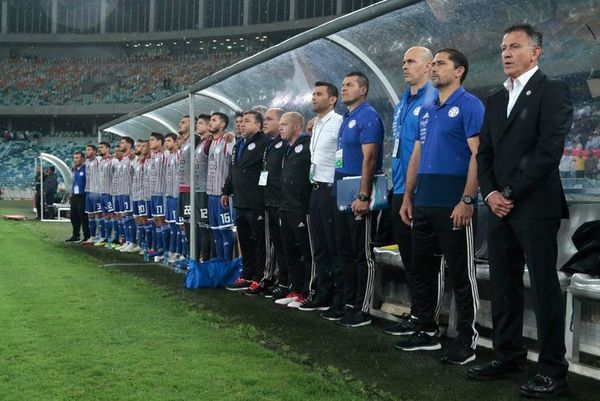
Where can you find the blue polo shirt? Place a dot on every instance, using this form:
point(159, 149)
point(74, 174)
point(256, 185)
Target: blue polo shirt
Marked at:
point(406, 117)
point(78, 186)
point(445, 154)
point(359, 127)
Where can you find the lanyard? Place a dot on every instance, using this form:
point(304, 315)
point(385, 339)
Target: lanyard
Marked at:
point(318, 135)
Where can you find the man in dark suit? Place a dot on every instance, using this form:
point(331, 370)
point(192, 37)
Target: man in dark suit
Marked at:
point(522, 138)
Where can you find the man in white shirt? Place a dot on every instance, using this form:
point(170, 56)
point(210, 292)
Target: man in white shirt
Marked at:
point(324, 285)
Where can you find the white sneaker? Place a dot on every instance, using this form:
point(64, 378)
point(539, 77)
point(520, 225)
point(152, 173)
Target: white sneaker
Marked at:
point(173, 257)
point(123, 245)
point(287, 300)
point(296, 304)
point(134, 249)
point(141, 251)
point(126, 247)
point(158, 259)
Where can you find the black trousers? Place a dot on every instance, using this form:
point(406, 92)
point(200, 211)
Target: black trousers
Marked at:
point(432, 231)
point(510, 243)
point(296, 247)
point(251, 234)
point(402, 237)
point(353, 237)
point(327, 281)
point(275, 259)
point(79, 218)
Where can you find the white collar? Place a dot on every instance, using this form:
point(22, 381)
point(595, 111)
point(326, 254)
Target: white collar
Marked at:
point(522, 79)
point(326, 117)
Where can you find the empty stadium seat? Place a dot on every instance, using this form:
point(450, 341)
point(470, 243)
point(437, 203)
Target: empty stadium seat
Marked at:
point(583, 286)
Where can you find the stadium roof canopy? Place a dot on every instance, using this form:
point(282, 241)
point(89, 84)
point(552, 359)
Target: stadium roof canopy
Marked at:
point(373, 40)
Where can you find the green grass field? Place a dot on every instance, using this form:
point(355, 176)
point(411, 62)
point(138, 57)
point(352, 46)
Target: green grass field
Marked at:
point(86, 324)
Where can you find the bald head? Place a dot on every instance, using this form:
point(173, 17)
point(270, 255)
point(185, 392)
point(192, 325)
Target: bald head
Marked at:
point(416, 66)
point(291, 125)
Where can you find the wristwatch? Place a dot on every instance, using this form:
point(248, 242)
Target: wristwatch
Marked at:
point(507, 192)
point(363, 198)
point(467, 199)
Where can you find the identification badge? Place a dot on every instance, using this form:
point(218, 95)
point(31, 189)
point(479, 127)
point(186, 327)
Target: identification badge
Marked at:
point(76, 189)
point(262, 181)
point(311, 172)
point(396, 147)
point(339, 158)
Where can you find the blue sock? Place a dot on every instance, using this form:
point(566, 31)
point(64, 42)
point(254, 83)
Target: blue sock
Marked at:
point(173, 238)
point(141, 230)
point(218, 241)
point(93, 226)
point(228, 242)
point(123, 230)
point(164, 238)
point(108, 224)
point(148, 230)
point(102, 226)
point(131, 228)
point(158, 237)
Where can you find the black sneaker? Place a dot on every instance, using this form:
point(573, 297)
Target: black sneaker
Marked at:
point(419, 341)
point(459, 353)
point(239, 285)
point(356, 319)
point(72, 239)
point(281, 291)
point(406, 326)
point(312, 302)
point(333, 314)
point(255, 289)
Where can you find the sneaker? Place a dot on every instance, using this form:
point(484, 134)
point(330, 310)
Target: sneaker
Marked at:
point(88, 241)
point(135, 249)
point(333, 314)
point(72, 239)
point(312, 302)
point(255, 288)
point(173, 258)
point(154, 252)
point(291, 297)
point(100, 242)
point(459, 353)
point(280, 291)
point(419, 341)
point(356, 319)
point(239, 285)
point(296, 304)
point(158, 259)
point(405, 327)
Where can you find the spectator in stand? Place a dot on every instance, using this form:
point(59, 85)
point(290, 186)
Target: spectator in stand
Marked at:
point(591, 166)
point(565, 164)
point(579, 165)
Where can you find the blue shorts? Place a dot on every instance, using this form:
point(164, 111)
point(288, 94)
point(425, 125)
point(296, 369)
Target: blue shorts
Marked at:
point(171, 216)
point(158, 206)
point(92, 202)
point(139, 208)
point(218, 216)
point(107, 204)
point(122, 204)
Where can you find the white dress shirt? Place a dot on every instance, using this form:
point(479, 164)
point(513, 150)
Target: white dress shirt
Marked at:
point(515, 87)
point(323, 145)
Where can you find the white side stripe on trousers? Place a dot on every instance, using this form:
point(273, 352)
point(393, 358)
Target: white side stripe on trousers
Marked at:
point(313, 268)
point(370, 266)
point(473, 280)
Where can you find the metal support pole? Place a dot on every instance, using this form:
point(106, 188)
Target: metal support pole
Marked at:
point(41, 212)
point(292, 10)
point(246, 12)
point(200, 14)
point(152, 16)
point(192, 139)
point(103, 16)
point(4, 17)
point(339, 7)
point(54, 19)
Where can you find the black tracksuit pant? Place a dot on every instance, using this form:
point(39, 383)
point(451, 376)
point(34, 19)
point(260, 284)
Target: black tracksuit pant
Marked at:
point(327, 281)
point(296, 247)
point(275, 259)
point(251, 234)
point(433, 230)
point(353, 237)
point(79, 218)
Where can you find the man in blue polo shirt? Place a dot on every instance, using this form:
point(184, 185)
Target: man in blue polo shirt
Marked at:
point(79, 218)
point(416, 68)
point(443, 169)
point(360, 153)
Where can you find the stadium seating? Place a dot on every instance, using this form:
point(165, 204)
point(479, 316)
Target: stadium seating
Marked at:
point(39, 81)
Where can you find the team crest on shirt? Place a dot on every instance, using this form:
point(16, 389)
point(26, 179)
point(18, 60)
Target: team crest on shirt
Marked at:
point(278, 145)
point(417, 110)
point(352, 123)
point(453, 112)
point(251, 146)
point(298, 148)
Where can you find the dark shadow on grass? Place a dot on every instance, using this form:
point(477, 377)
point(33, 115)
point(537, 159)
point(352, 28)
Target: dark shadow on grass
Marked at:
point(365, 354)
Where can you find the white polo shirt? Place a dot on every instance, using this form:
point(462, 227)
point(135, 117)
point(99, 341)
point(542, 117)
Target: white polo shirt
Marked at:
point(323, 145)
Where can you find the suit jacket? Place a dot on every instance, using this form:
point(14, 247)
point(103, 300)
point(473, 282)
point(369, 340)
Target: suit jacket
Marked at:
point(523, 151)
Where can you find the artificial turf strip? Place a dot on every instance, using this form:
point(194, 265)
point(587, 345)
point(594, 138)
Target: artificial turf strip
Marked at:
point(71, 330)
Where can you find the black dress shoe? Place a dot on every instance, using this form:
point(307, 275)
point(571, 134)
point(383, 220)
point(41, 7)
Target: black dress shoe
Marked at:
point(544, 387)
point(495, 370)
point(72, 239)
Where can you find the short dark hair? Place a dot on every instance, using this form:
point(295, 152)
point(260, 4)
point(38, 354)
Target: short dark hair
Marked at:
point(129, 140)
point(205, 117)
point(158, 136)
point(238, 114)
point(171, 135)
point(223, 117)
point(91, 145)
point(142, 140)
point(80, 153)
point(533, 34)
point(332, 90)
point(105, 144)
point(258, 117)
point(458, 60)
point(362, 79)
